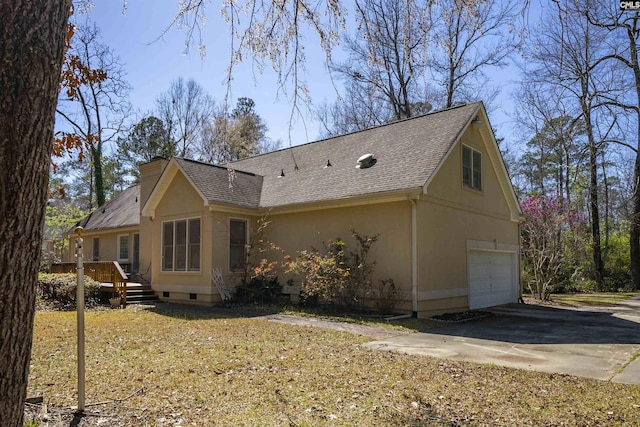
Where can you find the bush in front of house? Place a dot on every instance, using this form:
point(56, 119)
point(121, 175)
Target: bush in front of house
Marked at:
point(341, 277)
point(262, 287)
point(59, 290)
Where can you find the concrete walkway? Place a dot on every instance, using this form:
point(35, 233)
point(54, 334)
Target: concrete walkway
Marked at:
point(601, 343)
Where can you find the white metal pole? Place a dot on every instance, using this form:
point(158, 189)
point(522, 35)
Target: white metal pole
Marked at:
point(80, 317)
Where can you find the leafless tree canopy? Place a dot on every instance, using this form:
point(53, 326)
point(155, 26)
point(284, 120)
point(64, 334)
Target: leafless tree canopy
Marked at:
point(97, 108)
point(185, 109)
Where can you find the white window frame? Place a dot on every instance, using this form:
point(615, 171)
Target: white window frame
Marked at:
point(119, 246)
point(246, 242)
point(471, 185)
point(188, 244)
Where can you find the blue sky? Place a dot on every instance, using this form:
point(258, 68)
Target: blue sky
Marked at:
point(152, 64)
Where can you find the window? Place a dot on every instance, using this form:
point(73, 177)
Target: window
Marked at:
point(123, 247)
point(181, 245)
point(95, 250)
point(237, 244)
point(471, 168)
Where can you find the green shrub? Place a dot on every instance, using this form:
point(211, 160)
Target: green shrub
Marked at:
point(386, 298)
point(618, 263)
point(259, 289)
point(60, 290)
point(323, 275)
point(335, 276)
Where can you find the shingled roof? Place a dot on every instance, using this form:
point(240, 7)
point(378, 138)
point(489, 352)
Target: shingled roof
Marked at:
point(122, 211)
point(408, 153)
point(213, 182)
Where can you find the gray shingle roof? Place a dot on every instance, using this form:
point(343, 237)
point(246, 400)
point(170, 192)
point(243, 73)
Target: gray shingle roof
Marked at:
point(213, 182)
point(407, 152)
point(122, 211)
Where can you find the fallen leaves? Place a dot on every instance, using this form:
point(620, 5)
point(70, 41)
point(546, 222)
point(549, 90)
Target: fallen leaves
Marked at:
point(198, 368)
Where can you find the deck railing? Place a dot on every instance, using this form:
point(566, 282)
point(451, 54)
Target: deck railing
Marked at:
point(100, 271)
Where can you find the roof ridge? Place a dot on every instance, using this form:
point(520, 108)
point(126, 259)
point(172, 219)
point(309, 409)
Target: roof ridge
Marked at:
point(430, 113)
point(216, 166)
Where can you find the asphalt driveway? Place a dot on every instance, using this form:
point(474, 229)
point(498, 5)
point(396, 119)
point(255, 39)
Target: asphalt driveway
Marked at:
point(600, 343)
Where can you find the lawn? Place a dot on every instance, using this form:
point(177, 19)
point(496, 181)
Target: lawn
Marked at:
point(172, 366)
point(592, 299)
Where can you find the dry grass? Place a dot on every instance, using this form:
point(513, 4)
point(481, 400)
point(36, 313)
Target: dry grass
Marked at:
point(599, 299)
point(176, 366)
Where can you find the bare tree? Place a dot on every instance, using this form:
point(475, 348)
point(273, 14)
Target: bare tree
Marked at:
point(186, 109)
point(387, 53)
point(32, 40)
point(98, 105)
point(360, 107)
point(470, 37)
point(237, 135)
point(625, 26)
point(566, 49)
point(554, 152)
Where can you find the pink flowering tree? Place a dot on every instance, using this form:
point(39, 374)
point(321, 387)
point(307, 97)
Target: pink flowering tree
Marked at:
point(548, 230)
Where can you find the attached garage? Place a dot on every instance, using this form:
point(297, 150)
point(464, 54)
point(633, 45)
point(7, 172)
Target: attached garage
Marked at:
point(492, 277)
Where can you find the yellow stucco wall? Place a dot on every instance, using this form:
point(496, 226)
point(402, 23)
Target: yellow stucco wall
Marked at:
point(108, 245)
point(450, 215)
point(391, 253)
point(180, 201)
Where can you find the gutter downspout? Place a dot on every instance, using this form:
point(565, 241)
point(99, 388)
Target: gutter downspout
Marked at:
point(519, 272)
point(414, 255)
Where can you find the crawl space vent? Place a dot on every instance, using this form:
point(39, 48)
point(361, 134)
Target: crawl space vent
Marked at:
point(366, 161)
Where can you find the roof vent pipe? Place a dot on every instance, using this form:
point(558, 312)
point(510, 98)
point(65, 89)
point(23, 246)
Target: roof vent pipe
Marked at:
point(366, 161)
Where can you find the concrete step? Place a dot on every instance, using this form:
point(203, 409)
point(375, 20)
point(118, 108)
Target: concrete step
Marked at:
point(138, 299)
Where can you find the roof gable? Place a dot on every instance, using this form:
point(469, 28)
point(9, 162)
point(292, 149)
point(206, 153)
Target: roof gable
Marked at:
point(497, 161)
point(214, 184)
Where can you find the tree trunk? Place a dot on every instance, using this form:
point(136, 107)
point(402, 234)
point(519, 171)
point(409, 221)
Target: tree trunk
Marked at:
point(593, 201)
point(634, 234)
point(32, 37)
point(97, 170)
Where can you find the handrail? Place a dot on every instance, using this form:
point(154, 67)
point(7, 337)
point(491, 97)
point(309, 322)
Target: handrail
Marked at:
point(100, 271)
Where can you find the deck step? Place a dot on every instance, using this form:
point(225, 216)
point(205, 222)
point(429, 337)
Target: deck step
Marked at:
point(141, 294)
point(136, 292)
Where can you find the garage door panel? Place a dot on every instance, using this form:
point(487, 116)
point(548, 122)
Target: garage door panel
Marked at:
point(492, 278)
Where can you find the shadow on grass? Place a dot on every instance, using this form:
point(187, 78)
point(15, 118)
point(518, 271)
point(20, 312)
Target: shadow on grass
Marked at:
point(193, 312)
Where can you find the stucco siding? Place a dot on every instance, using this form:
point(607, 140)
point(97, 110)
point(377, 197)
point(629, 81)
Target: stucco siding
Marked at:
point(447, 183)
point(449, 216)
point(108, 245)
point(392, 252)
point(181, 202)
point(443, 233)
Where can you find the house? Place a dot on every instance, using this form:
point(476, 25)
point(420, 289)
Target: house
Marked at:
point(112, 232)
point(434, 187)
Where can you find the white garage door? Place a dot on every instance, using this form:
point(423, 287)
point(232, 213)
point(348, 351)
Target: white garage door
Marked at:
point(492, 278)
